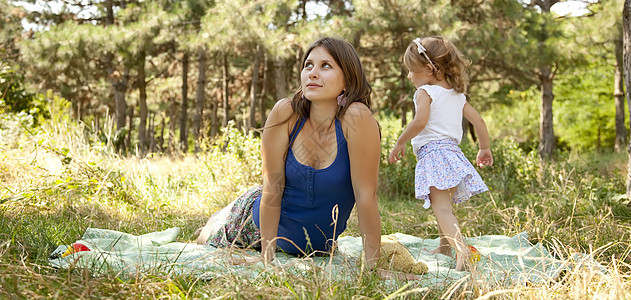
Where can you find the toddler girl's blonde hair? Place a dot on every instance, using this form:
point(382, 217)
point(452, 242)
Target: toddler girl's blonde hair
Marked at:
point(445, 60)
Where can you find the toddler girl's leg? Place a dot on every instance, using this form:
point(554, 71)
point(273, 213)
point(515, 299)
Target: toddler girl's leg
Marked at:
point(448, 224)
point(444, 247)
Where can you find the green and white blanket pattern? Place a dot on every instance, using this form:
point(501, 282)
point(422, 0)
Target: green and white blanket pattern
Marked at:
point(506, 261)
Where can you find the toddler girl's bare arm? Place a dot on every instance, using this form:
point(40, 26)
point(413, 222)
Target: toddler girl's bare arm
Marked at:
point(485, 157)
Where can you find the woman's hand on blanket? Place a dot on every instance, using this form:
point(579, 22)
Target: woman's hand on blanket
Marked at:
point(385, 274)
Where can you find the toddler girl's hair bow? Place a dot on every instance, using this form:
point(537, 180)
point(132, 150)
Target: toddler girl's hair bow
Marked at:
point(423, 51)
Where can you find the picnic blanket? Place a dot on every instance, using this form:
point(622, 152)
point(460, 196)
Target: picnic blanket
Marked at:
point(505, 261)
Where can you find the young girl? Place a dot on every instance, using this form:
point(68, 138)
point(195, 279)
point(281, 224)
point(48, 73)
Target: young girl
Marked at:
point(443, 174)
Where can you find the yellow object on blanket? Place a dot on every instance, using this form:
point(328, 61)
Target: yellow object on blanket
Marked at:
point(395, 256)
point(475, 254)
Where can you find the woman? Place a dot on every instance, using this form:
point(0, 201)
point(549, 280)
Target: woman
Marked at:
point(320, 152)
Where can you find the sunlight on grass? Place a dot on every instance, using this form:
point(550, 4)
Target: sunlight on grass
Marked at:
point(62, 179)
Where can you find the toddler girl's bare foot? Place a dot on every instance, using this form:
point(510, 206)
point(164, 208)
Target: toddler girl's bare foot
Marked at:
point(463, 261)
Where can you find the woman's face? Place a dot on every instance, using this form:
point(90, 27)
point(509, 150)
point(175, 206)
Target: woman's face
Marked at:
point(321, 78)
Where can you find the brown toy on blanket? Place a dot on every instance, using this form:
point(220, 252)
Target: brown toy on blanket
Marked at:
point(396, 257)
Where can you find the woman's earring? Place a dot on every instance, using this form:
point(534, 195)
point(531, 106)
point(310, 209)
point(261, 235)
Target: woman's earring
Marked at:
point(341, 99)
point(303, 97)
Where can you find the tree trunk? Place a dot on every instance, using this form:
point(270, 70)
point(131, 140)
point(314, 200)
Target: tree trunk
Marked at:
point(184, 108)
point(226, 103)
point(263, 95)
point(547, 142)
point(297, 68)
point(621, 130)
point(302, 9)
point(131, 120)
point(118, 83)
point(109, 12)
point(338, 8)
point(160, 142)
point(80, 108)
point(143, 143)
point(172, 125)
point(403, 97)
point(599, 143)
point(253, 87)
point(214, 119)
point(357, 37)
point(97, 121)
point(626, 28)
point(280, 79)
point(201, 98)
point(151, 134)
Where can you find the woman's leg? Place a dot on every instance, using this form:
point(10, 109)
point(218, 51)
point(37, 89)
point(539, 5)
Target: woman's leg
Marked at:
point(233, 225)
point(448, 225)
point(205, 231)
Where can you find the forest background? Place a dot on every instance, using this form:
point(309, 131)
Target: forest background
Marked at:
point(145, 113)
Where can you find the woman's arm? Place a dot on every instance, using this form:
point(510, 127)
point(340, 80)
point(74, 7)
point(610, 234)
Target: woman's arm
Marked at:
point(364, 149)
point(485, 157)
point(414, 128)
point(274, 145)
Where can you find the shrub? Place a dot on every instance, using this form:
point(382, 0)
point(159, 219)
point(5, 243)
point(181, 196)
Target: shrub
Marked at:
point(14, 98)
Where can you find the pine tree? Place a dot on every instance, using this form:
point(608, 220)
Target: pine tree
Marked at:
point(626, 29)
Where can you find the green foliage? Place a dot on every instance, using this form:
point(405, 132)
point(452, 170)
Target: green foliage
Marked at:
point(12, 126)
point(14, 98)
point(59, 178)
point(68, 59)
point(243, 147)
point(513, 174)
point(585, 107)
point(496, 37)
point(584, 111)
point(515, 115)
point(396, 181)
point(505, 40)
point(10, 31)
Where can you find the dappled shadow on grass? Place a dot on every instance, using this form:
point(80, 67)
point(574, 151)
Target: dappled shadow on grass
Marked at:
point(26, 273)
point(29, 281)
point(622, 212)
point(565, 205)
point(39, 230)
point(30, 233)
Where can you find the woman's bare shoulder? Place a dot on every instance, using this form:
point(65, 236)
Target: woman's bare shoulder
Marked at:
point(358, 119)
point(281, 113)
point(283, 107)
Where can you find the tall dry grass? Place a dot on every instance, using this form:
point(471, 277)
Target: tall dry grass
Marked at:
point(59, 179)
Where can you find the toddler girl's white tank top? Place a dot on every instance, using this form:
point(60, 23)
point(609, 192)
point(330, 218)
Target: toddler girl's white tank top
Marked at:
point(445, 116)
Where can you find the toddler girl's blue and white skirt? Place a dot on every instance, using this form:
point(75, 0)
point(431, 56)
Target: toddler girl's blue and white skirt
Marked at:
point(443, 165)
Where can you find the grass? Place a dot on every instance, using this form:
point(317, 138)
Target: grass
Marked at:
point(58, 180)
